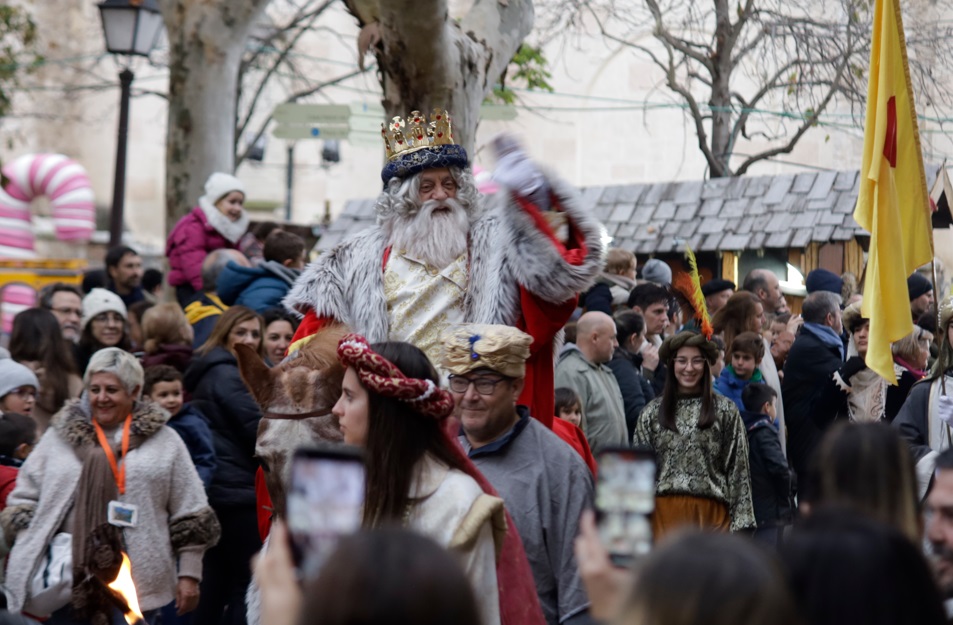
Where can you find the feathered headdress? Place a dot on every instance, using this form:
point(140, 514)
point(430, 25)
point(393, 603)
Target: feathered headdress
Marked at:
point(689, 285)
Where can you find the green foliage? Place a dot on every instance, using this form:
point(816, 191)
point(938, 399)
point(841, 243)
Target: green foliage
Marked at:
point(528, 70)
point(18, 39)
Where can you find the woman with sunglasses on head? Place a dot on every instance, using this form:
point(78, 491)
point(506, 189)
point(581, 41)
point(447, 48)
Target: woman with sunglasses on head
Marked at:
point(700, 444)
point(392, 406)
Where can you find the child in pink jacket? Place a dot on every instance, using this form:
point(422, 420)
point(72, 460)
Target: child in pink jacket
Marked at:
point(219, 221)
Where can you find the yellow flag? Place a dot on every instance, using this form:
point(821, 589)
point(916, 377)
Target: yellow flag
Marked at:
point(893, 204)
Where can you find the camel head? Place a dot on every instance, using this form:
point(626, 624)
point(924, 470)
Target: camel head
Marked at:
point(296, 398)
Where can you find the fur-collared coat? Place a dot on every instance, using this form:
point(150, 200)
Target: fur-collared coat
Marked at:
point(174, 516)
point(519, 275)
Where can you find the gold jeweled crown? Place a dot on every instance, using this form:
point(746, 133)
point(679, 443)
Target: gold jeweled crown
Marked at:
point(401, 138)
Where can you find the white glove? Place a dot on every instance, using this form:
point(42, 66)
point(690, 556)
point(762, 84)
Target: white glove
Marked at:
point(517, 172)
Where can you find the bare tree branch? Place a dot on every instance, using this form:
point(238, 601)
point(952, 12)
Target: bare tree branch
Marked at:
point(305, 25)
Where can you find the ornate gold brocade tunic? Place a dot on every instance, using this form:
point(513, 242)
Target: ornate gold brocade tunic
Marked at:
point(422, 301)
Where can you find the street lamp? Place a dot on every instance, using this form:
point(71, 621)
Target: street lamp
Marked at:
point(132, 28)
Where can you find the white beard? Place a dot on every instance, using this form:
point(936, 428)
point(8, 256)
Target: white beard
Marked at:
point(437, 239)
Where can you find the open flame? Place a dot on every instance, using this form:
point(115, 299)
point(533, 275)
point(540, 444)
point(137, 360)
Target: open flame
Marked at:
point(127, 590)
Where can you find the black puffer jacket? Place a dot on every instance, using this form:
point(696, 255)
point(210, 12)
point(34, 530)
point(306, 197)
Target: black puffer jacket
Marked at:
point(636, 390)
point(232, 414)
point(772, 482)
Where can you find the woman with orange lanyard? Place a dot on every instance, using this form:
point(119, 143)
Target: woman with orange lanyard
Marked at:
point(107, 477)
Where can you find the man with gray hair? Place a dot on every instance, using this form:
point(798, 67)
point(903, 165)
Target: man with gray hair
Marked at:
point(816, 354)
point(442, 254)
point(203, 311)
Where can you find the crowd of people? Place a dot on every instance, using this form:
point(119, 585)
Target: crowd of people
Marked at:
point(483, 382)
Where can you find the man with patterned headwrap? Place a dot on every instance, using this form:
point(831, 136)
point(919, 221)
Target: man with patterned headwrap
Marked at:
point(442, 254)
point(543, 482)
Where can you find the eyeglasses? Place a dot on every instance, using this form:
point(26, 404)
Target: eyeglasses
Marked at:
point(695, 362)
point(24, 392)
point(76, 312)
point(108, 317)
point(484, 386)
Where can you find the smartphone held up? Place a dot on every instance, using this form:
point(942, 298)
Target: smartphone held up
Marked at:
point(625, 500)
point(325, 502)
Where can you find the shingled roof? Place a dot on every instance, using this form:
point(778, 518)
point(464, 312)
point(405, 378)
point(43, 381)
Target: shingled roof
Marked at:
point(728, 214)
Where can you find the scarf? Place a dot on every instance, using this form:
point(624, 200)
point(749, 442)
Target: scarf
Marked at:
point(826, 336)
point(865, 400)
point(96, 543)
point(231, 230)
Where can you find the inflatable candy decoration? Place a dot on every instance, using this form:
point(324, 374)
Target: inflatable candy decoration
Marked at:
point(64, 182)
point(14, 298)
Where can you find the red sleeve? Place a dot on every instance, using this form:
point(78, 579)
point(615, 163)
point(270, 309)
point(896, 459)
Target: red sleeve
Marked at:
point(542, 321)
point(264, 506)
point(574, 250)
point(308, 326)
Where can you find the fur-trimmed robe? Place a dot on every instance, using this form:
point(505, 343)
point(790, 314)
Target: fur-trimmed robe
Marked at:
point(176, 524)
point(520, 275)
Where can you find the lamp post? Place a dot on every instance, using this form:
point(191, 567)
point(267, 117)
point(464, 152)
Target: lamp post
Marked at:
point(131, 28)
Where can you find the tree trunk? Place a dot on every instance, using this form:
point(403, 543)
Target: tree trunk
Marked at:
point(720, 101)
point(429, 61)
point(206, 42)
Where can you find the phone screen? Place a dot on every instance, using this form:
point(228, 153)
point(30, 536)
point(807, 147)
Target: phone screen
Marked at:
point(625, 500)
point(325, 502)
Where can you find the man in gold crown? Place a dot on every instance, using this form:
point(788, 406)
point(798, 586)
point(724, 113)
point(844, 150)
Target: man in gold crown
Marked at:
point(443, 254)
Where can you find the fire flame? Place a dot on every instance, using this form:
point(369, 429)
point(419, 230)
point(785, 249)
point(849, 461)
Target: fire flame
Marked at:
point(127, 590)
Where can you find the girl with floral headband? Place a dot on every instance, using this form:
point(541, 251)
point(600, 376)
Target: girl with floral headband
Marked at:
point(392, 406)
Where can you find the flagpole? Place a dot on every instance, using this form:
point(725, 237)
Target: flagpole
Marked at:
point(937, 296)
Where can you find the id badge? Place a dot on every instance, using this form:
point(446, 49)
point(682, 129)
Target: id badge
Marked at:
point(122, 514)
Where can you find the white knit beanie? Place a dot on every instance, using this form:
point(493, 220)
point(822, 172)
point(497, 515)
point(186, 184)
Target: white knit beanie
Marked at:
point(13, 375)
point(219, 185)
point(99, 301)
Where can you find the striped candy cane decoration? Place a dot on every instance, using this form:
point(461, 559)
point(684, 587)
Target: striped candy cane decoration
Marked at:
point(14, 298)
point(64, 182)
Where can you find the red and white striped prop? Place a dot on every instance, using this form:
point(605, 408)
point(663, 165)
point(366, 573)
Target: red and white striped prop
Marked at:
point(64, 182)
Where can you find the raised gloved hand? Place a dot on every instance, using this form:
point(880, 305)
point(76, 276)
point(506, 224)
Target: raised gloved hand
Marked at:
point(516, 171)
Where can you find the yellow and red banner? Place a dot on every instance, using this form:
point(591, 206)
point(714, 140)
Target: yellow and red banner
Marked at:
point(893, 204)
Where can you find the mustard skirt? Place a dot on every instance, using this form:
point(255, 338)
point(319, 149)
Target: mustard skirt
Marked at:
point(673, 512)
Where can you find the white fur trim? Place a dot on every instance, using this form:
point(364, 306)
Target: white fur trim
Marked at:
point(431, 389)
point(506, 250)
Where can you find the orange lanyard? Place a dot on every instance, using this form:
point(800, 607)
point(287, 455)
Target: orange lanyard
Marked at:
point(119, 472)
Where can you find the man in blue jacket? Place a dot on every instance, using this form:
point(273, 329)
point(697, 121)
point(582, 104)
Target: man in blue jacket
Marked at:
point(264, 286)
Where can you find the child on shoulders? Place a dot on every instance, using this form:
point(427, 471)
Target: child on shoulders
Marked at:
point(745, 354)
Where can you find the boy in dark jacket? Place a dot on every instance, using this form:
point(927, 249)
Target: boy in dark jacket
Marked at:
point(264, 286)
point(163, 385)
point(771, 479)
point(744, 354)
